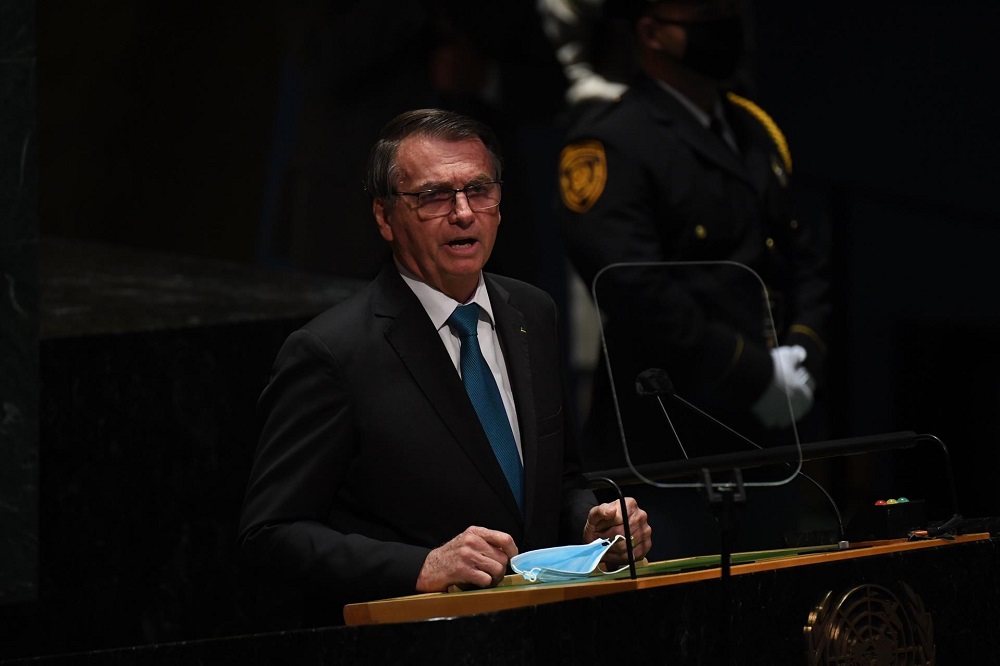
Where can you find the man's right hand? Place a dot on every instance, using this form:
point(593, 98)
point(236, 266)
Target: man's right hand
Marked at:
point(477, 556)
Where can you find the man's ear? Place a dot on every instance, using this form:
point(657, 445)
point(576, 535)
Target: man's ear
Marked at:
point(381, 219)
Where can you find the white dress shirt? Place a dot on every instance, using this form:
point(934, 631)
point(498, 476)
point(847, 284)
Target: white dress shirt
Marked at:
point(439, 307)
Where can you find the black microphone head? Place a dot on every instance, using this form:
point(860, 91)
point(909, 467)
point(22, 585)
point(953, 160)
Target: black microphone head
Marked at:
point(654, 381)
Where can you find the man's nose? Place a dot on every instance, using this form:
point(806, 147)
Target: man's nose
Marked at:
point(463, 211)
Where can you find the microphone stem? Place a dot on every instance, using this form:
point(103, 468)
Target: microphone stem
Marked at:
point(840, 522)
point(672, 428)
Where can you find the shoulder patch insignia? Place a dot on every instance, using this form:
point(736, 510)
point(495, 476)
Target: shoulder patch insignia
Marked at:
point(583, 172)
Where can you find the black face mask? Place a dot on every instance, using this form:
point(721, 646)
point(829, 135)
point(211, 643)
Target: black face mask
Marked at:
point(713, 47)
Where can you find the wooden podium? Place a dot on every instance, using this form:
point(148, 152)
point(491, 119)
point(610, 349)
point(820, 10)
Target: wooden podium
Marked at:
point(898, 602)
point(514, 592)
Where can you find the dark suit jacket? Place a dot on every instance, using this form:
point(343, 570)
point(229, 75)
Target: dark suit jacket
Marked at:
point(371, 454)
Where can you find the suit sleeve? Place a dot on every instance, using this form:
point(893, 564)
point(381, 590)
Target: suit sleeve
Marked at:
point(810, 301)
point(306, 444)
point(577, 498)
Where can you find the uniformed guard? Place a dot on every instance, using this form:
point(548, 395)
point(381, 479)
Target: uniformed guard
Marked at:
point(681, 169)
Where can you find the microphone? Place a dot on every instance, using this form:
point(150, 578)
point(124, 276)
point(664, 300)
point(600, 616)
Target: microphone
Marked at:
point(655, 382)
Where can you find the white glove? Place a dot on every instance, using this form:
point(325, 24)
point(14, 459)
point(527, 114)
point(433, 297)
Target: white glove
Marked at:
point(586, 85)
point(791, 385)
point(569, 26)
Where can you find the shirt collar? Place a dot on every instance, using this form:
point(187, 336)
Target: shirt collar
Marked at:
point(438, 305)
point(702, 117)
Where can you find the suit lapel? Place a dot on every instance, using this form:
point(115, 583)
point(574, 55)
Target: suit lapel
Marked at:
point(513, 334)
point(416, 342)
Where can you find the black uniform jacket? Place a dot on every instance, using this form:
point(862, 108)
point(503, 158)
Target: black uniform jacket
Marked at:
point(643, 181)
point(371, 453)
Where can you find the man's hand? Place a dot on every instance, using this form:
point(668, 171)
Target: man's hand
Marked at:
point(605, 521)
point(477, 556)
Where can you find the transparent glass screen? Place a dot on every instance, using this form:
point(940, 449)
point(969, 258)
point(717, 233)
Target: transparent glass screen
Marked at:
point(687, 347)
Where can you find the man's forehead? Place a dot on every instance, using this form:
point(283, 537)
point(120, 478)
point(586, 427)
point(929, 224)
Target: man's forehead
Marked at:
point(429, 157)
point(431, 142)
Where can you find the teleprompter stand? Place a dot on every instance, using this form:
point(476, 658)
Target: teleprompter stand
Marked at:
point(725, 500)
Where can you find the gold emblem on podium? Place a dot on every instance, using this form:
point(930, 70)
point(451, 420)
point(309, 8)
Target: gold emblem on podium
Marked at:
point(870, 624)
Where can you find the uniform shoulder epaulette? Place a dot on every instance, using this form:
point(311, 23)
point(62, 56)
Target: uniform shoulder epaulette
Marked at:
point(772, 128)
point(591, 111)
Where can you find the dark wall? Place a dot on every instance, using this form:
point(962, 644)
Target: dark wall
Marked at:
point(146, 443)
point(891, 126)
point(154, 122)
point(887, 98)
point(150, 365)
point(18, 305)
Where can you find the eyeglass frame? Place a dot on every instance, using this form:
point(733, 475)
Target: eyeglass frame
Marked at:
point(454, 196)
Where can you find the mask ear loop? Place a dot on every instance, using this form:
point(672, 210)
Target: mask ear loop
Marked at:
point(625, 527)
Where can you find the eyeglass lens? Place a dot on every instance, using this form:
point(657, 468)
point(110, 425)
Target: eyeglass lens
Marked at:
point(480, 197)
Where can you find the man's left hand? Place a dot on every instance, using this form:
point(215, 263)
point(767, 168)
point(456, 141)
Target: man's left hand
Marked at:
point(605, 521)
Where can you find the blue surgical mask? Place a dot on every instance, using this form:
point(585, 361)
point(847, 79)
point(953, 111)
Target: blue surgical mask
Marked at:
point(562, 563)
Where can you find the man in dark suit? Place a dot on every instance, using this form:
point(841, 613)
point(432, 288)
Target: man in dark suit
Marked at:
point(682, 170)
point(376, 474)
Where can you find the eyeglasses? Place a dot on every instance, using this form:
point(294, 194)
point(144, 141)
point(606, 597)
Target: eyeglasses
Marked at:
point(435, 203)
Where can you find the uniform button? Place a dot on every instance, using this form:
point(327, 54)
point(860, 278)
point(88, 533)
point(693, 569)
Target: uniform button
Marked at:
point(700, 232)
point(794, 224)
point(779, 171)
point(769, 243)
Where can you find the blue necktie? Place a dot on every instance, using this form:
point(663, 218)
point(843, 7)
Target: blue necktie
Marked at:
point(485, 396)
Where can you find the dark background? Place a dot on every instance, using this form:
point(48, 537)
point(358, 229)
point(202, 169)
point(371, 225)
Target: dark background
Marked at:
point(230, 133)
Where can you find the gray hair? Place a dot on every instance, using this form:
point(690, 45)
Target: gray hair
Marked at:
point(436, 123)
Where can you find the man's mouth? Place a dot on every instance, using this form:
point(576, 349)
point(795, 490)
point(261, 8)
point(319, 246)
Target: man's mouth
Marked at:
point(462, 242)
